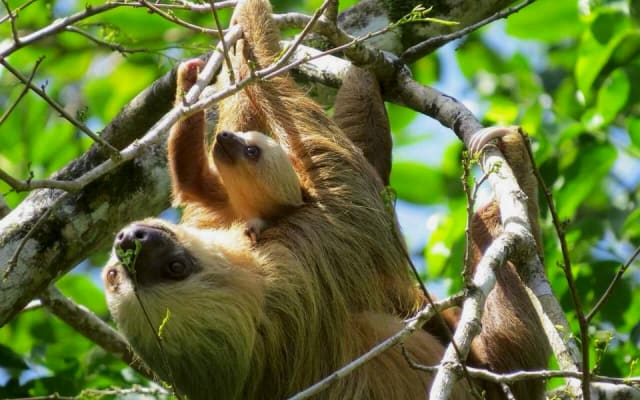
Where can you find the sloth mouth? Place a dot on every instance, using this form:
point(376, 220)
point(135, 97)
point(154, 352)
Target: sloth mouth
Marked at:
point(222, 153)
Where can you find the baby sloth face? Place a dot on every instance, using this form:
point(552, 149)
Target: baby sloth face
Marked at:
point(257, 174)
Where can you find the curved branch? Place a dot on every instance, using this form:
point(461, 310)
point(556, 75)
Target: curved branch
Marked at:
point(89, 325)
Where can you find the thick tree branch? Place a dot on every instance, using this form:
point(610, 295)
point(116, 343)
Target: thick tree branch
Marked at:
point(89, 325)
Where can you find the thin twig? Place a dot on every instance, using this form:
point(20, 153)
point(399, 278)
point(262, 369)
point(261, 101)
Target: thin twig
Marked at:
point(184, 5)
point(12, 19)
point(134, 149)
point(17, 10)
point(419, 50)
point(109, 150)
point(27, 185)
point(623, 268)
point(225, 49)
point(583, 322)
point(467, 267)
point(115, 46)
point(269, 72)
point(171, 17)
point(13, 261)
point(411, 326)
point(55, 27)
point(519, 376)
point(24, 91)
point(439, 317)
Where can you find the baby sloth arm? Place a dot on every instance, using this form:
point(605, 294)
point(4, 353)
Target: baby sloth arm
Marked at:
point(193, 180)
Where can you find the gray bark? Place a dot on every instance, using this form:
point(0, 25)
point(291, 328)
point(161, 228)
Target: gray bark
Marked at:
point(82, 222)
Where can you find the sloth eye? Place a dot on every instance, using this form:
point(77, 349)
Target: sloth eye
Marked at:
point(252, 152)
point(177, 269)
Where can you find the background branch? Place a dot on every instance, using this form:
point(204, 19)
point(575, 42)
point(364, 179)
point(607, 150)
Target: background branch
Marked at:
point(89, 325)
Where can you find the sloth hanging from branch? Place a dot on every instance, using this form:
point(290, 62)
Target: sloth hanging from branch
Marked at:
point(288, 263)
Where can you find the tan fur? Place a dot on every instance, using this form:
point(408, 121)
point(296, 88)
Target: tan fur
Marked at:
point(251, 325)
point(250, 190)
point(360, 113)
point(326, 283)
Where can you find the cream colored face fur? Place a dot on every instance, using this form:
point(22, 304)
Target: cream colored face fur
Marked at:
point(202, 313)
point(260, 186)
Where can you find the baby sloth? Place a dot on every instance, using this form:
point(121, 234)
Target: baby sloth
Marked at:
point(251, 180)
point(258, 177)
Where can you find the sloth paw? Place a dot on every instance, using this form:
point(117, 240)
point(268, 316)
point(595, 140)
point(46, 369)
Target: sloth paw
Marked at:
point(482, 137)
point(188, 73)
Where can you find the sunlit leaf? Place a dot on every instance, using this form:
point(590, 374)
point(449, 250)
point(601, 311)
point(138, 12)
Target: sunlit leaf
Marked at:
point(583, 176)
point(546, 21)
point(417, 183)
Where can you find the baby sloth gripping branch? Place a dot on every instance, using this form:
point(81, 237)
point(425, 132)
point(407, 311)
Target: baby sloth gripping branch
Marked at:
point(251, 180)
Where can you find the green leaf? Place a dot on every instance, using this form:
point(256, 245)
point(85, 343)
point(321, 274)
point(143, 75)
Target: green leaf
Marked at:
point(426, 70)
point(583, 176)
point(633, 126)
point(403, 117)
point(502, 111)
point(164, 322)
point(631, 226)
point(609, 43)
point(613, 95)
point(417, 183)
point(443, 253)
point(546, 21)
point(474, 57)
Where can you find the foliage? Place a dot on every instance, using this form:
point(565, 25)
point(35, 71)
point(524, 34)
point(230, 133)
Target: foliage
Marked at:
point(575, 96)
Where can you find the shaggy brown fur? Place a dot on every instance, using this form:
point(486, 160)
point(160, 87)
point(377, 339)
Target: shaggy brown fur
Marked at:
point(324, 284)
point(360, 113)
point(251, 179)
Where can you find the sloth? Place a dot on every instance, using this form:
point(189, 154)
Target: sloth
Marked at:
point(252, 179)
point(224, 318)
point(236, 322)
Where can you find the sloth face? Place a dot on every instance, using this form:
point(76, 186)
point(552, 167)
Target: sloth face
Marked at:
point(187, 300)
point(257, 173)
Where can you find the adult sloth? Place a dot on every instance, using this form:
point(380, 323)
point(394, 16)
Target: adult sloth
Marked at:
point(324, 284)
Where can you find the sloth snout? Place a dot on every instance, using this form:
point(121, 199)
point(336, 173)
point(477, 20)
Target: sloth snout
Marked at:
point(126, 238)
point(151, 255)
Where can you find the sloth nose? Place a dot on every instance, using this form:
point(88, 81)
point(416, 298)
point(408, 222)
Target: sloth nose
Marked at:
point(225, 135)
point(151, 255)
point(126, 238)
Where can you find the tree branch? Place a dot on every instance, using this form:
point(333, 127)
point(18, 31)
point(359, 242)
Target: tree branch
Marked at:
point(88, 324)
point(419, 50)
point(55, 27)
point(411, 326)
point(24, 91)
